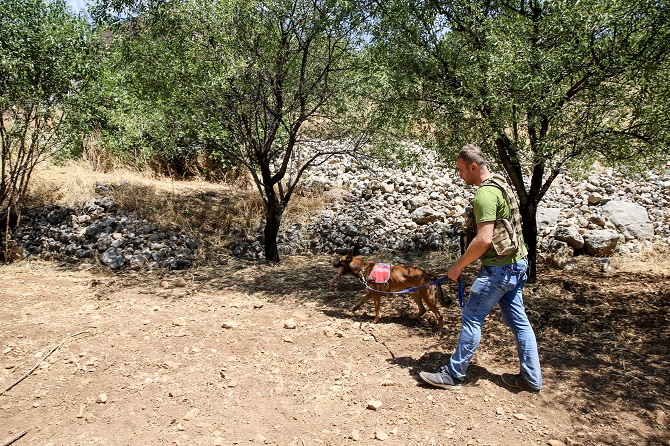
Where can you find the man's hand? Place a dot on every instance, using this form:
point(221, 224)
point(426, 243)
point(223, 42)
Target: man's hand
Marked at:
point(477, 248)
point(454, 272)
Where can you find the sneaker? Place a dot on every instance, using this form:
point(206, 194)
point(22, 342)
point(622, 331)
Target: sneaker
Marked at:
point(441, 379)
point(518, 382)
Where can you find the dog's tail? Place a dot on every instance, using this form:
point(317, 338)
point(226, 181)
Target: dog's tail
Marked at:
point(440, 296)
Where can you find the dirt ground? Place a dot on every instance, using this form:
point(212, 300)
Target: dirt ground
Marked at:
point(245, 353)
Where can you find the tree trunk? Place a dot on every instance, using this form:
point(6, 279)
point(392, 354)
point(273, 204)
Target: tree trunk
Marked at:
point(273, 214)
point(528, 215)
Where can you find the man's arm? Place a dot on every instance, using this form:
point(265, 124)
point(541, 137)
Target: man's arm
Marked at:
point(477, 248)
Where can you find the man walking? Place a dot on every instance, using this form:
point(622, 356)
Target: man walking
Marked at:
point(500, 280)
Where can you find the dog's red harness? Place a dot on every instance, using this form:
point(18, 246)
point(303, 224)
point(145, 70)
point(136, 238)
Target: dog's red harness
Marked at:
point(380, 273)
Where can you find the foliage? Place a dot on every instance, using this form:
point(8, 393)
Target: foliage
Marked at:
point(44, 63)
point(542, 86)
point(256, 83)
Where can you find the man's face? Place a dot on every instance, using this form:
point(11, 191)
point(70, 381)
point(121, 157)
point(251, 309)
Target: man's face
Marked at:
point(466, 171)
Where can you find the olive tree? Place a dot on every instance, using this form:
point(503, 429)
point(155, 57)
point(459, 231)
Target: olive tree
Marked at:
point(258, 82)
point(542, 86)
point(45, 53)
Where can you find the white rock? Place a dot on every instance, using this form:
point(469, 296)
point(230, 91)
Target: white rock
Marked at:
point(374, 404)
point(381, 435)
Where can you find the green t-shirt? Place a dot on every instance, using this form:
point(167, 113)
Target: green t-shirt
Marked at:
point(489, 205)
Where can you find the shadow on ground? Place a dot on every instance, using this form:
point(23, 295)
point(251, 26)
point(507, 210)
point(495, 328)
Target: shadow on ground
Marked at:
point(602, 334)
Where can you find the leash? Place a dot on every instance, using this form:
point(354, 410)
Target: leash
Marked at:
point(461, 289)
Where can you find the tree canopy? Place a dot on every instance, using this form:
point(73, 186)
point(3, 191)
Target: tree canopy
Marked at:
point(46, 55)
point(253, 82)
point(542, 86)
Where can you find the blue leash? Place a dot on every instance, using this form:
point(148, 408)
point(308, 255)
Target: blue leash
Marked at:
point(461, 289)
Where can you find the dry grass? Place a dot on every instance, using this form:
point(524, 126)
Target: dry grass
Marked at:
point(209, 211)
point(654, 257)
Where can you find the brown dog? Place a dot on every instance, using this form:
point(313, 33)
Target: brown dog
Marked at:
point(401, 278)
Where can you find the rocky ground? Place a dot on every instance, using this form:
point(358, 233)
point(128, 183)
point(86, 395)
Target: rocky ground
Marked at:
point(244, 353)
point(377, 210)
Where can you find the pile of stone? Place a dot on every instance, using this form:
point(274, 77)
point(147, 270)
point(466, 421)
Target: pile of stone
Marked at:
point(422, 209)
point(378, 210)
point(102, 232)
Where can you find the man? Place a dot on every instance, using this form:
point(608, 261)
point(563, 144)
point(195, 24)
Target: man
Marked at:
point(500, 280)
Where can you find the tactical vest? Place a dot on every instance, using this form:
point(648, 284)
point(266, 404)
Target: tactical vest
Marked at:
point(507, 233)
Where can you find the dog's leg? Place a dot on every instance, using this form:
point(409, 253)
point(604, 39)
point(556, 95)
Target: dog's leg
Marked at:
point(362, 300)
point(428, 296)
point(417, 298)
point(376, 297)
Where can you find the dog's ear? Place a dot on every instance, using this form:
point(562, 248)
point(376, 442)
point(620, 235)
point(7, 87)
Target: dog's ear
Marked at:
point(350, 254)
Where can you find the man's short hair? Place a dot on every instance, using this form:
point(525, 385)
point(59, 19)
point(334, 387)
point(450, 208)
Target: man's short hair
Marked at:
point(471, 153)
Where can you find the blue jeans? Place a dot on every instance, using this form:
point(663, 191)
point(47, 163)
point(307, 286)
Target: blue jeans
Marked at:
point(501, 285)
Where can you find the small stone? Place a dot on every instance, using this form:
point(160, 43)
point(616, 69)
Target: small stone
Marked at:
point(555, 443)
point(519, 416)
point(500, 411)
point(374, 405)
point(661, 418)
point(230, 324)
point(355, 435)
point(180, 282)
point(101, 399)
point(388, 383)
point(176, 393)
point(381, 435)
point(289, 324)
point(191, 414)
